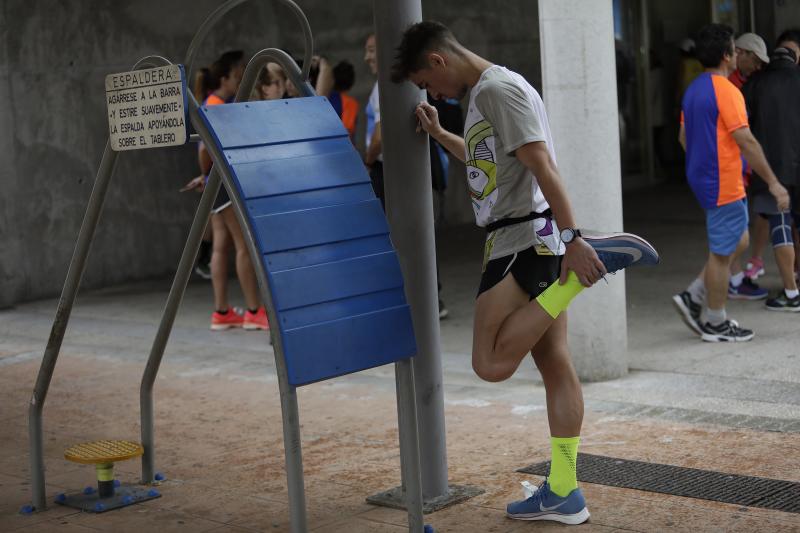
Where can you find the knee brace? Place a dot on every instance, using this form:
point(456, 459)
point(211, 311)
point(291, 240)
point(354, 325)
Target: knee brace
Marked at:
point(796, 218)
point(780, 230)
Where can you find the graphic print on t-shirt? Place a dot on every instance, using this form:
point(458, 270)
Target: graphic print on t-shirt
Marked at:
point(481, 166)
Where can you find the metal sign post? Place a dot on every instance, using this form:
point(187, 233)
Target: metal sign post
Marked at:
point(409, 207)
point(68, 294)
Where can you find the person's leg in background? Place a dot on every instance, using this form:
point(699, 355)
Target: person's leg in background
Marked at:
point(741, 286)
point(690, 302)
point(255, 316)
point(755, 265)
point(203, 267)
point(728, 238)
point(223, 317)
point(783, 245)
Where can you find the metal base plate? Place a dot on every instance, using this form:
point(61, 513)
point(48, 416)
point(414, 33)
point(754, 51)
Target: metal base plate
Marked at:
point(455, 494)
point(123, 496)
point(689, 482)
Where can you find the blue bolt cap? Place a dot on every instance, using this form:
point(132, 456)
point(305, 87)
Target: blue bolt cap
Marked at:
point(26, 509)
point(61, 497)
point(160, 477)
point(429, 529)
point(88, 490)
point(99, 507)
point(117, 483)
point(153, 493)
point(128, 499)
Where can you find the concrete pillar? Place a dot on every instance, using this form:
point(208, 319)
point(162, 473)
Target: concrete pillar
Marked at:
point(580, 94)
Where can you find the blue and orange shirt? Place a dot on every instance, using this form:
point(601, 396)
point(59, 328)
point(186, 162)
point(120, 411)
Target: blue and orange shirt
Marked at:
point(713, 108)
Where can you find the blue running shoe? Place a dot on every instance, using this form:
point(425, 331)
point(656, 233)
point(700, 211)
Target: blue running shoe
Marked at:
point(543, 504)
point(747, 291)
point(621, 250)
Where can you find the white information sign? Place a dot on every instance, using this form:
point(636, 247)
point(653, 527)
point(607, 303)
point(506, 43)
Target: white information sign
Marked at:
point(147, 108)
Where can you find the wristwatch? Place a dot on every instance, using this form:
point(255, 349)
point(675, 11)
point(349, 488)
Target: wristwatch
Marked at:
point(568, 234)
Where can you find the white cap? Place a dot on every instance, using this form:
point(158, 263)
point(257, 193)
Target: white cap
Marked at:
point(753, 43)
point(687, 45)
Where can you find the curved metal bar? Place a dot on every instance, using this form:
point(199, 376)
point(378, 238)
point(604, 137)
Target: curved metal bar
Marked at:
point(218, 13)
point(188, 256)
point(174, 299)
point(259, 60)
point(151, 62)
point(288, 394)
point(68, 294)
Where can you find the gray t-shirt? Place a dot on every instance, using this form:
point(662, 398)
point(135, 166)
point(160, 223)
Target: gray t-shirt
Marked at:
point(505, 113)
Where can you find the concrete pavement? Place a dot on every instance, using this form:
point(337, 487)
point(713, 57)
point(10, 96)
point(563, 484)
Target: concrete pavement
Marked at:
point(730, 408)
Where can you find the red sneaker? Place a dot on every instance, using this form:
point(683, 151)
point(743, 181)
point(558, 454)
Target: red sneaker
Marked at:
point(231, 319)
point(257, 320)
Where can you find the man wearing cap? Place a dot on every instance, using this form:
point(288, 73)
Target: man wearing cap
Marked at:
point(774, 110)
point(751, 55)
point(715, 133)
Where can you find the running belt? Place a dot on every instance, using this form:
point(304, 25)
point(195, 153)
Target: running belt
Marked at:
point(503, 222)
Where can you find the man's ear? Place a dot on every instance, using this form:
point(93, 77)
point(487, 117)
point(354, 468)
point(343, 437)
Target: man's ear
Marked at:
point(436, 60)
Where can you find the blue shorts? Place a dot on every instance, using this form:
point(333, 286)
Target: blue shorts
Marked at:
point(725, 226)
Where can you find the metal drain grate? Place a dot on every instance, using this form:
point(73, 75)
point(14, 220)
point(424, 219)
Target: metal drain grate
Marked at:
point(689, 482)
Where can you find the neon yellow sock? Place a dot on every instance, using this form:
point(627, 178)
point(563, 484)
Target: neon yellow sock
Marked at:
point(555, 299)
point(563, 472)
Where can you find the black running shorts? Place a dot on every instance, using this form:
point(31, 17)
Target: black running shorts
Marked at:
point(222, 201)
point(533, 272)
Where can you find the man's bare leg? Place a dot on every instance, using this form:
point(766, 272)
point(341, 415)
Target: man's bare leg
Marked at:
point(564, 405)
point(784, 257)
point(507, 323)
point(563, 389)
point(741, 248)
point(717, 280)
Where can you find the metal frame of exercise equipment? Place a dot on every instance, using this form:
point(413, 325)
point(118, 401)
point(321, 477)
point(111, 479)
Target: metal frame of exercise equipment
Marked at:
point(406, 398)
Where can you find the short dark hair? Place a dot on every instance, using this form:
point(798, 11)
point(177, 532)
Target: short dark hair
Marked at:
point(713, 42)
point(344, 76)
point(418, 39)
point(791, 35)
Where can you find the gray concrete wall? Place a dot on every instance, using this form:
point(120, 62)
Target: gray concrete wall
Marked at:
point(787, 15)
point(54, 56)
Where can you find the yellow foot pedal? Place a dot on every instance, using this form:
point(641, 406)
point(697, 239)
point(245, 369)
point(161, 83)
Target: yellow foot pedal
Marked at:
point(103, 454)
point(103, 451)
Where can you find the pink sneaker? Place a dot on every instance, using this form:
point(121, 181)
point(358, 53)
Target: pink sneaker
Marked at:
point(754, 268)
point(257, 320)
point(231, 319)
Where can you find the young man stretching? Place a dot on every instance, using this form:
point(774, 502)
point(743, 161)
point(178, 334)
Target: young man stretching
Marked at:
point(517, 194)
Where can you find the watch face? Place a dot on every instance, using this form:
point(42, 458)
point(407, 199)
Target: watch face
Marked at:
point(567, 235)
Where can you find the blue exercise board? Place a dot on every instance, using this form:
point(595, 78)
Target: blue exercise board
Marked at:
point(333, 273)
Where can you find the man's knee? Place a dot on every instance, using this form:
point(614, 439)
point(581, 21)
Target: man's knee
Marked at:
point(716, 260)
point(242, 254)
point(780, 228)
point(492, 373)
